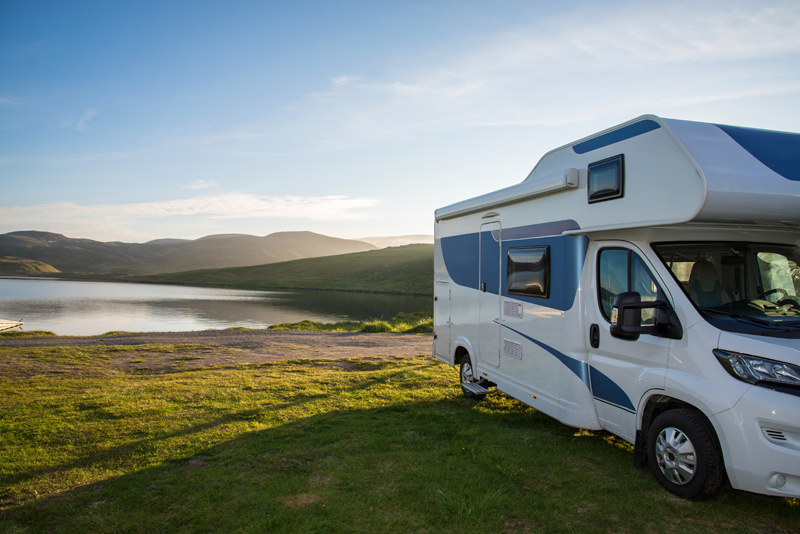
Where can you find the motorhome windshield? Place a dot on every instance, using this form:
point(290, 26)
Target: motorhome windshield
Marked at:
point(751, 288)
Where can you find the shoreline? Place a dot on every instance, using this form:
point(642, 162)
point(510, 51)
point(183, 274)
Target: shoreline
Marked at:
point(114, 278)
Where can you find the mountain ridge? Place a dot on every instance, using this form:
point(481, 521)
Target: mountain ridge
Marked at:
point(80, 255)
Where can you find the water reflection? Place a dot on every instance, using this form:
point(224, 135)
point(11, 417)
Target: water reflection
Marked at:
point(86, 308)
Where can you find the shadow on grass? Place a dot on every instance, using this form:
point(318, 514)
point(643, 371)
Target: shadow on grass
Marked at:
point(448, 465)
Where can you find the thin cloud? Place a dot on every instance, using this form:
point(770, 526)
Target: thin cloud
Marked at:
point(6, 100)
point(201, 184)
point(83, 121)
point(223, 206)
point(588, 63)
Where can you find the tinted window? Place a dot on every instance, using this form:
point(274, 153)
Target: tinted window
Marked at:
point(620, 271)
point(606, 179)
point(739, 287)
point(529, 271)
point(613, 277)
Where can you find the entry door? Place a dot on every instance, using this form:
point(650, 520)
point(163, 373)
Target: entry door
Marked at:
point(441, 320)
point(622, 370)
point(489, 288)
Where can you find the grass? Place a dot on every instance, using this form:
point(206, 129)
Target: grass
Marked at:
point(313, 446)
point(407, 269)
point(11, 266)
point(403, 323)
point(28, 333)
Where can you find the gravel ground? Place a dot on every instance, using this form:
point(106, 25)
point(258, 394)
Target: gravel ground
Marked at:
point(254, 346)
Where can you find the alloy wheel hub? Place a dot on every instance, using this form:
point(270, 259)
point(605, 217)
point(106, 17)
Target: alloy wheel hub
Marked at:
point(675, 455)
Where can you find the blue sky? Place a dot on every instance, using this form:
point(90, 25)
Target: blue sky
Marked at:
point(132, 121)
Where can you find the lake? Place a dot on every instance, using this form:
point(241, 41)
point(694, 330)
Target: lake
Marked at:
point(90, 308)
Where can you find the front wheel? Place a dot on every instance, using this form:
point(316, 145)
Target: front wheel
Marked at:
point(684, 455)
point(467, 376)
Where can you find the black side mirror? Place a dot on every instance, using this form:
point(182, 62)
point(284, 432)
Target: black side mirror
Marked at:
point(626, 318)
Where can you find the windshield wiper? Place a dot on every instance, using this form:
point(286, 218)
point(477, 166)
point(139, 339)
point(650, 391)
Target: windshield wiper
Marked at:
point(760, 322)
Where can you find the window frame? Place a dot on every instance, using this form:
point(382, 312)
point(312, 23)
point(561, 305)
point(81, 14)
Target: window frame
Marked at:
point(518, 293)
point(629, 274)
point(619, 193)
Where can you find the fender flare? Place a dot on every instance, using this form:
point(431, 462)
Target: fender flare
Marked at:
point(466, 344)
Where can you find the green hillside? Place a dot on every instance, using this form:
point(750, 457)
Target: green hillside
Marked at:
point(407, 269)
point(11, 266)
point(86, 256)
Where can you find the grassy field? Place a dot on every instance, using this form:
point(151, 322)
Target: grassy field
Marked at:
point(11, 266)
point(407, 269)
point(313, 446)
point(404, 323)
point(26, 333)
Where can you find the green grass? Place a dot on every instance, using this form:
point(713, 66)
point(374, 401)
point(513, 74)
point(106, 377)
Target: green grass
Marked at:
point(407, 269)
point(403, 323)
point(11, 266)
point(28, 333)
point(314, 446)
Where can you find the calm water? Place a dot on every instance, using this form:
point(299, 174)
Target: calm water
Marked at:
point(89, 308)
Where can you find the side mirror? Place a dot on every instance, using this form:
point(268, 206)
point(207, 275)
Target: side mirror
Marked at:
point(626, 318)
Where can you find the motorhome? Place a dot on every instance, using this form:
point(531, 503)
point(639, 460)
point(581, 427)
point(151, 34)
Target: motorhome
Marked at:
point(643, 280)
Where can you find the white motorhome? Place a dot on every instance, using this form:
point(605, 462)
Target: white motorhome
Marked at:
point(643, 280)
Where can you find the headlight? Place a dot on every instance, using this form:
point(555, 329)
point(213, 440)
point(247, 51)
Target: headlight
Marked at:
point(754, 369)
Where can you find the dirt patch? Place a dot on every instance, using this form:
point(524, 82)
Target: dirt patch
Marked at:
point(301, 500)
point(183, 351)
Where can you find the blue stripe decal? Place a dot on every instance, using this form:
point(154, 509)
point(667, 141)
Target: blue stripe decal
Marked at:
point(614, 405)
point(490, 262)
point(602, 387)
point(627, 132)
point(607, 390)
point(460, 254)
point(780, 151)
point(579, 368)
point(567, 256)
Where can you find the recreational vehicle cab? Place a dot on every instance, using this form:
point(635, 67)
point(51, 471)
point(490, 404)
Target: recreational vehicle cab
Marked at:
point(644, 280)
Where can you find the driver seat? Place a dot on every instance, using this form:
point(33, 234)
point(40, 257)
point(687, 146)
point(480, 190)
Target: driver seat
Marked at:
point(704, 286)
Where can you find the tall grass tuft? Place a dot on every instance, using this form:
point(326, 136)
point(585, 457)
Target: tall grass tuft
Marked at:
point(403, 323)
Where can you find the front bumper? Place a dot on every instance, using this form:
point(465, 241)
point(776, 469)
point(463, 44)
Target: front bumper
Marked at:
point(760, 439)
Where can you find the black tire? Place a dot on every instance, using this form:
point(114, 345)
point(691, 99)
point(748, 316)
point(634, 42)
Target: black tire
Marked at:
point(684, 455)
point(465, 375)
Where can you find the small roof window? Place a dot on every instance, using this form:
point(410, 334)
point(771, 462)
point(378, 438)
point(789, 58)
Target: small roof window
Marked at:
point(606, 179)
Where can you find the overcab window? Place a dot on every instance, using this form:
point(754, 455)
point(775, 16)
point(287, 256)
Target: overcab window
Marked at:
point(606, 179)
point(529, 272)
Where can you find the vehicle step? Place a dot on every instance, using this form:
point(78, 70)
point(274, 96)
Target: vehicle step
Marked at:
point(477, 389)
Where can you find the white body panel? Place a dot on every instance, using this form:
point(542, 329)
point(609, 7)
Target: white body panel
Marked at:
point(683, 182)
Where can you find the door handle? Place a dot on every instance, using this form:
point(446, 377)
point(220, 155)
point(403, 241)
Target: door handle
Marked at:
point(594, 336)
point(483, 287)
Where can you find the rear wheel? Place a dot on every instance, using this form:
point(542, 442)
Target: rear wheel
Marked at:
point(684, 455)
point(467, 376)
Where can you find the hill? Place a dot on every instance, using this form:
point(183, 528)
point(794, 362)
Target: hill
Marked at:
point(397, 240)
point(407, 269)
point(10, 266)
point(171, 255)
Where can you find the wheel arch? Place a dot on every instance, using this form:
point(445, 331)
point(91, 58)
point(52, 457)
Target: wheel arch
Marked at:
point(462, 348)
point(653, 404)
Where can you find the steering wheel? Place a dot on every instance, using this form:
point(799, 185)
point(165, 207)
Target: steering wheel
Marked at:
point(794, 301)
point(772, 291)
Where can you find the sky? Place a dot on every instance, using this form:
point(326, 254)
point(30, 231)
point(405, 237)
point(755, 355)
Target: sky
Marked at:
point(133, 121)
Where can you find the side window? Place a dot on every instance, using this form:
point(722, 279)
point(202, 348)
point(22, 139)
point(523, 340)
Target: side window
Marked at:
point(528, 272)
point(612, 277)
point(620, 271)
